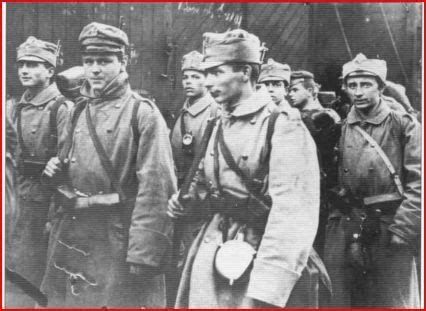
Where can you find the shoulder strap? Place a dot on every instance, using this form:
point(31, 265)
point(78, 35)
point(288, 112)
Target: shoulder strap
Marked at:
point(105, 161)
point(384, 157)
point(53, 127)
point(252, 184)
point(134, 121)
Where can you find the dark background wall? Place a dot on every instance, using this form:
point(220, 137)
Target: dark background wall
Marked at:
point(306, 36)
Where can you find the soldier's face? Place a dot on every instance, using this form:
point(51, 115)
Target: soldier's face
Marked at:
point(34, 74)
point(299, 95)
point(193, 83)
point(100, 69)
point(277, 90)
point(364, 92)
point(224, 84)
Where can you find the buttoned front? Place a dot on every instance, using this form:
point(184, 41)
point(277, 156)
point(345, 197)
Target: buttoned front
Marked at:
point(195, 119)
point(138, 231)
point(391, 281)
point(293, 183)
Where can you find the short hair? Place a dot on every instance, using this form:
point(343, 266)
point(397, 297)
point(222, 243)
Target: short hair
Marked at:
point(255, 70)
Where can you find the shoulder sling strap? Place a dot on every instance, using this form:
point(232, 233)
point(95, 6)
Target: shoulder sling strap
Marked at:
point(251, 183)
point(53, 126)
point(105, 161)
point(384, 157)
point(134, 121)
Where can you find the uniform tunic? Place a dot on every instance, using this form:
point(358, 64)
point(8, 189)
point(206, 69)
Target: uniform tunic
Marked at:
point(91, 248)
point(27, 249)
point(284, 249)
point(392, 281)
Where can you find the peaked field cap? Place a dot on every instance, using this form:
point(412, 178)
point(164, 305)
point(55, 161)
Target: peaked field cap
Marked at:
point(37, 50)
point(235, 45)
point(274, 71)
point(97, 37)
point(362, 66)
point(192, 61)
point(301, 76)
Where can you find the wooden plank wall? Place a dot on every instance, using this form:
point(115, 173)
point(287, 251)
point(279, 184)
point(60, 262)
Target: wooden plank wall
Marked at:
point(306, 36)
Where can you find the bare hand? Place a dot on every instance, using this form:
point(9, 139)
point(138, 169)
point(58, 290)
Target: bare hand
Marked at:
point(52, 167)
point(175, 209)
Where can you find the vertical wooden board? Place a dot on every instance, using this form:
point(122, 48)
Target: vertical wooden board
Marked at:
point(30, 18)
point(147, 47)
point(44, 21)
point(14, 37)
point(135, 31)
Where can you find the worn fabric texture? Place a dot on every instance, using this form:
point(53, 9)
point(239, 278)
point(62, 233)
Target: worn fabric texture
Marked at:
point(90, 249)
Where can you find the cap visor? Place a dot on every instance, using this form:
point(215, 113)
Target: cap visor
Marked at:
point(208, 65)
point(264, 79)
point(31, 58)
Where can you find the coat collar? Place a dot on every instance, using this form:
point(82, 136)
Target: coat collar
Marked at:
point(41, 98)
point(252, 104)
point(199, 106)
point(377, 116)
point(115, 89)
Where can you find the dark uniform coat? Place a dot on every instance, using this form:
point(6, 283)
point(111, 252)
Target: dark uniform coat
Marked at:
point(28, 238)
point(283, 273)
point(90, 249)
point(392, 280)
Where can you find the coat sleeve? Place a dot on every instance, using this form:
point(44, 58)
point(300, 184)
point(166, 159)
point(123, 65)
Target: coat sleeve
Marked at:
point(294, 187)
point(63, 122)
point(151, 229)
point(407, 220)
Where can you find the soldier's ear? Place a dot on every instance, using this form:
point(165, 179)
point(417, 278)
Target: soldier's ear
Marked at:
point(124, 62)
point(246, 70)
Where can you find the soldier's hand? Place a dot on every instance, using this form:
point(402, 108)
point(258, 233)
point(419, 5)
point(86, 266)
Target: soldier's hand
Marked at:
point(398, 243)
point(175, 209)
point(52, 167)
point(143, 271)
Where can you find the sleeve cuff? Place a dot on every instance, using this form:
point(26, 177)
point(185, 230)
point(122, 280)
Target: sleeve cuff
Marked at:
point(147, 247)
point(278, 281)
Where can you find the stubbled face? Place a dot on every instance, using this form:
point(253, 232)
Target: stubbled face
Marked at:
point(193, 83)
point(277, 90)
point(224, 84)
point(34, 74)
point(100, 69)
point(364, 92)
point(299, 95)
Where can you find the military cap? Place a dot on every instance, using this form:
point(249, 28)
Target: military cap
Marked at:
point(362, 66)
point(232, 46)
point(192, 61)
point(301, 76)
point(98, 38)
point(37, 50)
point(274, 71)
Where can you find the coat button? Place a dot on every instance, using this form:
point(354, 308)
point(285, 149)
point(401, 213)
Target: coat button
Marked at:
point(77, 130)
point(109, 130)
point(371, 169)
point(73, 160)
point(346, 170)
point(40, 108)
point(117, 106)
point(244, 157)
point(33, 131)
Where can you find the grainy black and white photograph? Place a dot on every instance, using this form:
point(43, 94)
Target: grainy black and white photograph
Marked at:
point(213, 155)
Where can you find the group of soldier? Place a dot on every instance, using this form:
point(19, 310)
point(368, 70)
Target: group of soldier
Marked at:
point(259, 196)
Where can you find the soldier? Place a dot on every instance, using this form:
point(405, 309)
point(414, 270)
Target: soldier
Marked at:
point(40, 118)
point(186, 137)
point(112, 239)
point(231, 185)
point(324, 126)
point(276, 77)
point(199, 106)
point(374, 227)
